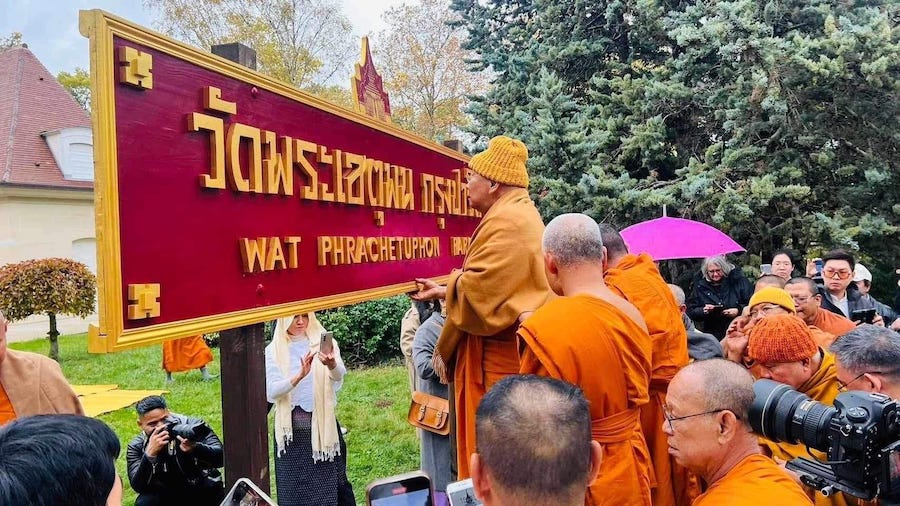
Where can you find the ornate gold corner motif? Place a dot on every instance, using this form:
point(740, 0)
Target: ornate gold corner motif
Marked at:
point(379, 218)
point(135, 68)
point(143, 301)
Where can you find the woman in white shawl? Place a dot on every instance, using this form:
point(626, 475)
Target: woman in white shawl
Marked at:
point(302, 383)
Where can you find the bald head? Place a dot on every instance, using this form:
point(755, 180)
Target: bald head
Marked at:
point(678, 293)
point(573, 238)
point(534, 438)
point(769, 280)
point(722, 384)
point(612, 239)
point(807, 283)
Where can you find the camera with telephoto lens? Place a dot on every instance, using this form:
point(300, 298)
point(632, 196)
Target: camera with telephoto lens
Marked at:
point(191, 430)
point(860, 436)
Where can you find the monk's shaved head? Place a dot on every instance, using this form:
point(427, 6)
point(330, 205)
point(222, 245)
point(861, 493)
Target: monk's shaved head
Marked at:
point(722, 384)
point(612, 239)
point(769, 280)
point(678, 293)
point(807, 282)
point(573, 238)
point(534, 436)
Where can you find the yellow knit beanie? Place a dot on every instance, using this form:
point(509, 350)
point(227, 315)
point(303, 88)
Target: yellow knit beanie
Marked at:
point(503, 161)
point(773, 295)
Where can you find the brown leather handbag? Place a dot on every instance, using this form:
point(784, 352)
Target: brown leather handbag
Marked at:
point(430, 413)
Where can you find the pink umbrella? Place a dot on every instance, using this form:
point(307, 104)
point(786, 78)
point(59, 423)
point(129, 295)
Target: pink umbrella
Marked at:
point(670, 238)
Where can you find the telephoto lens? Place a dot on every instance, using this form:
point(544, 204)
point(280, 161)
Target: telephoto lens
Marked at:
point(781, 413)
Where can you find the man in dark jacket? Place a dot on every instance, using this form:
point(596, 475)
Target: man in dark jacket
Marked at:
point(175, 458)
point(840, 294)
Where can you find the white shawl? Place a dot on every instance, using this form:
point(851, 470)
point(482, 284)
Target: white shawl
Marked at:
point(325, 441)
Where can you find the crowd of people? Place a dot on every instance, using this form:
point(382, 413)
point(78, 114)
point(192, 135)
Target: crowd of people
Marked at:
point(668, 378)
point(575, 375)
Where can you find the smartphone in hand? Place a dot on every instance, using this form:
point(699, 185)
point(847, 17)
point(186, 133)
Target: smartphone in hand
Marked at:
point(402, 490)
point(863, 315)
point(461, 493)
point(326, 345)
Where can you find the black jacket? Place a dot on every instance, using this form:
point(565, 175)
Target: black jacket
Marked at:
point(855, 302)
point(733, 292)
point(174, 472)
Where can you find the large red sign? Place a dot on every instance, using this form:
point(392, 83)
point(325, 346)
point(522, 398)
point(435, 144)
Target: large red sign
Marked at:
point(226, 198)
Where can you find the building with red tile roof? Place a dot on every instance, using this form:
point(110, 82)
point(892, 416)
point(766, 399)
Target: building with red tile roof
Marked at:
point(46, 172)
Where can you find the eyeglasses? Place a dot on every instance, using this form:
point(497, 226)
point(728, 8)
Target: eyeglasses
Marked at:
point(803, 300)
point(670, 418)
point(835, 274)
point(715, 271)
point(763, 311)
point(844, 386)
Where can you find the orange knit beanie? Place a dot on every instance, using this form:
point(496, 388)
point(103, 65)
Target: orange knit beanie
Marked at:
point(781, 338)
point(503, 161)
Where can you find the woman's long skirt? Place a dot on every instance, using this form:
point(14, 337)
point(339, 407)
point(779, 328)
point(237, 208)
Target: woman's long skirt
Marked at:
point(302, 482)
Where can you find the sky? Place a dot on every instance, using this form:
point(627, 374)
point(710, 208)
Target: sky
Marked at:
point(50, 27)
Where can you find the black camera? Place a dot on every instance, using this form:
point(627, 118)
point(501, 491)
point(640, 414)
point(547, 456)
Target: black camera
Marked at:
point(191, 431)
point(860, 436)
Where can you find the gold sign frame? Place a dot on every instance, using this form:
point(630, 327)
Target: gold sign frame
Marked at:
point(110, 335)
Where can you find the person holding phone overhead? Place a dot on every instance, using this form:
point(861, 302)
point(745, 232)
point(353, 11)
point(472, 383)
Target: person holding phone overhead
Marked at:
point(303, 377)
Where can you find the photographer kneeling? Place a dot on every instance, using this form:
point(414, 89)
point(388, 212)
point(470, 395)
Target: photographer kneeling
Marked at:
point(175, 459)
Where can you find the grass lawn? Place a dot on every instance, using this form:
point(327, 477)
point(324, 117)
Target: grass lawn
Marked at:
point(372, 405)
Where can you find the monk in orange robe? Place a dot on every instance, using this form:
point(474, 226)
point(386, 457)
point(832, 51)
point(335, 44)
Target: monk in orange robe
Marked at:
point(599, 342)
point(784, 350)
point(502, 281)
point(809, 307)
point(637, 280)
point(708, 432)
point(186, 354)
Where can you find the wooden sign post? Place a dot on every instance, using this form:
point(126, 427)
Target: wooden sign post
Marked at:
point(242, 354)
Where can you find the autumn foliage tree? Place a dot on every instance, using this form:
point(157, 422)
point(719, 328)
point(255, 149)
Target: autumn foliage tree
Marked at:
point(302, 42)
point(50, 285)
point(423, 62)
point(78, 83)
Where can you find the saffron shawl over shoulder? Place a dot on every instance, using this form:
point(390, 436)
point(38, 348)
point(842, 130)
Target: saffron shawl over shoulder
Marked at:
point(502, 275)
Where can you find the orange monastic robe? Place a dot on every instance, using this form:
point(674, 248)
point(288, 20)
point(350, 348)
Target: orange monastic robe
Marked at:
point(186, 354)
point(823, 339)
point(832, 323)
point(7, 412)
point(755, 481)
point(502, 277)
point(591, 343)
point(637, 279)
point(822, 387)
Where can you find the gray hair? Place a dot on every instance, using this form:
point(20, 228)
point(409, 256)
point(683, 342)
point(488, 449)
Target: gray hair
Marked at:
point(573, 238)
point(678, 293)
point(719, 261)
point(726, 385)
point(869, 348)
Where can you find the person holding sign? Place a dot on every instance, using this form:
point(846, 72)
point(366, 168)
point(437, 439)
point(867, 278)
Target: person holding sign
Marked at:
point(501, 282)
point(304, 371)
